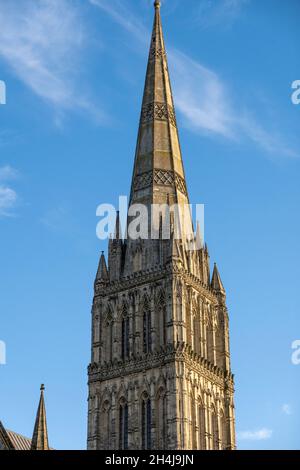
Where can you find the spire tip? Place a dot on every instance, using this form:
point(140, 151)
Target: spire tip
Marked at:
point(157, 4)
point(42, 387)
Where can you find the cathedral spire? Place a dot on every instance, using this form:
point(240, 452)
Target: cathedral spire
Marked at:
point(40, 434)
point(158, 168)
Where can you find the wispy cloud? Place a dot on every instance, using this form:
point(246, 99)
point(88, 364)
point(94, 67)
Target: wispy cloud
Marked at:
point(219, 12)
point(8, 173)
point(201, 95)
point(8, 196)
point(286, 409)
point(123, 16)
point(258, 435)
point(42, 42)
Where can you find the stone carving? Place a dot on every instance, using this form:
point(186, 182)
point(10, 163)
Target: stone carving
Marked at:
point(162, 177)
point(161, 111)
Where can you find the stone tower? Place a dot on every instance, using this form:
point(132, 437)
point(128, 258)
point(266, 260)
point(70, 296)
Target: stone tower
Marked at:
point(160, 374)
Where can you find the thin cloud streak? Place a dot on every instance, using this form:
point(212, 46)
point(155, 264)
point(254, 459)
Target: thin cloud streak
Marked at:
point(8, 173)
point(221, 13)
point(8, 196)
point(201, 96)
point(123, 17)
point(258, 435)
point(42, 43)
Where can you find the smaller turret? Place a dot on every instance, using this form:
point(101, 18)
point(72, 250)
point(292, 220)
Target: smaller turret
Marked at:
point(102, 273)
point(216, 282)
point(40, 434)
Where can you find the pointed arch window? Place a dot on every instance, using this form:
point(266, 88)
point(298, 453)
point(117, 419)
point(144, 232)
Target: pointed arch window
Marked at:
point(188, 325)
point(123, 426)
point(108, 338)
point(202, 428)
point(125, 337)
point(214, 430)
point(146, 423)
point(162, 321)
point(106, 423)
point(161, 417)
point(196, 330)
point(147, 330)
point(111, 340)
point(223, 431)
point(193, 421)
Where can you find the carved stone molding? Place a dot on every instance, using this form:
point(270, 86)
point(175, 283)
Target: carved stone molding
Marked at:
point(159, 111)
point(157, 53)
point(161, 177)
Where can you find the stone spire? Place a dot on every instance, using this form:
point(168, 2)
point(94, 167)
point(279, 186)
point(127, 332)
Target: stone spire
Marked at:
point(216, 282)
point(40, 434)
point(102, 273)
point(158, 175)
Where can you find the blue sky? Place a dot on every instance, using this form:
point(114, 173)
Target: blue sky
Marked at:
point(74, 72)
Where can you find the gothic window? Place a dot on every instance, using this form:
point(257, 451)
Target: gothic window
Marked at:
point(188, 325)
point(210, 339)
point(147, 330)
point(193, 422)
point(125, 338)
point(214, 430)
point(223, 432)
point(108, 339)
point(162, 323)
point(201, 417)
point(196, 328)
point(146, 423)
point(161, 417)
point(123, 426)
point(106, 423)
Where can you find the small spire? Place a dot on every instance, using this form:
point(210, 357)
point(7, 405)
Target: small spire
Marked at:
point(216, 282)
point(158, 159)
point(40, 433)
point(102, 273)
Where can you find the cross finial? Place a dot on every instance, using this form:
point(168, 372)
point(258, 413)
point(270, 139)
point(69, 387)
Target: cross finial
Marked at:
point(157, 4)
point(42, 387)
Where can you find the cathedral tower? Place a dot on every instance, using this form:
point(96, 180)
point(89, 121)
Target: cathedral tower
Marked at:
point(160, 374)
